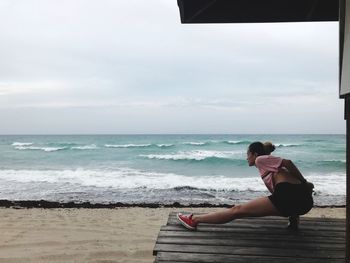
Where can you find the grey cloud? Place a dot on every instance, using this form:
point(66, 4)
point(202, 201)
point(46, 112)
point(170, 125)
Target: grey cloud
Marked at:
point(130, 58)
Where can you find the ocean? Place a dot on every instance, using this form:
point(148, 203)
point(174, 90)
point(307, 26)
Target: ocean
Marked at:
point(136, 169)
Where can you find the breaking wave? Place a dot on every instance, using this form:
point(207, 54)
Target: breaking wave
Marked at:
point(45, 149)
point(202, 156)
point(127, 178)
point(237, 142)
point(196, 143)
point(85, 147)
point(22, 143)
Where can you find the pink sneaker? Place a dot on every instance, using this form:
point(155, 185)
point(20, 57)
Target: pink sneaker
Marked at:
point(186, 221)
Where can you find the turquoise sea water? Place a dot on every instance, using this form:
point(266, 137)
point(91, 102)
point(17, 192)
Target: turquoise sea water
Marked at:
point(160, 168)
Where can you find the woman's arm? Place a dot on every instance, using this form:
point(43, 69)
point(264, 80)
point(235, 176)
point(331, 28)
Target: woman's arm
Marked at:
point(293, 169)
point(289, 165)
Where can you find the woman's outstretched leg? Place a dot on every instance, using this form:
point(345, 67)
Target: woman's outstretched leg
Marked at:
point(255, 208)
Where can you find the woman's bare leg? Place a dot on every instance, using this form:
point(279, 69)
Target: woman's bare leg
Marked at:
point(257, 207)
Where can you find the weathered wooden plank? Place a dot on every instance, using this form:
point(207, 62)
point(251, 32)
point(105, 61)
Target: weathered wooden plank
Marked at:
point(257, 231)
point(275, 222)
point(319, 226)
point(251, 236)
point(256, 251)
point(270, 224)
point(162, 261)
point(279, 218)
point(251, 243)
point(253, 239)
point(167, 257)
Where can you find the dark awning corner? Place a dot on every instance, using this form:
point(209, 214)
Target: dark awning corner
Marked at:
point(257, 11)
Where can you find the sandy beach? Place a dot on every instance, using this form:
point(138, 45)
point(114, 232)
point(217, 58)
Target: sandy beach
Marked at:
point(91, 235)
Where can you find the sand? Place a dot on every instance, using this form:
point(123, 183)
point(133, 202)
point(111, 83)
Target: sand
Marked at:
point(90, 235)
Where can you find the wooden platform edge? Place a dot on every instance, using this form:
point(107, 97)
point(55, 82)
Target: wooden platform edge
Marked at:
point(179, 245)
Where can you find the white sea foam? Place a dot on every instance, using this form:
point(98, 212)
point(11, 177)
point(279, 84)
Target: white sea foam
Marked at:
point(195, 155)
point(126, 178)
point(85, 147)
point(195, 143)
point(22, 143)
point(164, 145)
point(234, 142)
point(45, 149)
point(126, 145)
point(287, 144)
point(336, 161)
point(329, 184)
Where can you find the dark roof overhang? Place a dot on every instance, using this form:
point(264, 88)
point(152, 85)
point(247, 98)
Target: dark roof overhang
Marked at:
point(257, 11)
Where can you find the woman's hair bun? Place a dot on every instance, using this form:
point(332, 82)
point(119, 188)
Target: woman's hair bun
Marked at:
point(269, 147)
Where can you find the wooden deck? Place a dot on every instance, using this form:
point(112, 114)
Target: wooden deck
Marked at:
point(253, 240)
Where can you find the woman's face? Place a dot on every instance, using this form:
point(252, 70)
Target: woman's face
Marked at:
point(251, 158)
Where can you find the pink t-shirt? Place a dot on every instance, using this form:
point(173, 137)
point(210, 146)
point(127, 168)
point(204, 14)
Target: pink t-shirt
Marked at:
point(268, 165)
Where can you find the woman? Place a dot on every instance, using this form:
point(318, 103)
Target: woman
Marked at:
point(291, 194)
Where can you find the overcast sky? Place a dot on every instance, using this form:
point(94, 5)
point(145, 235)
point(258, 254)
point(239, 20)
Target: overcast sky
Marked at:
point(88, 66)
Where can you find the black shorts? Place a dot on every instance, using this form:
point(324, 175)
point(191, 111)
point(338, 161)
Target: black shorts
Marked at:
point(292, 199)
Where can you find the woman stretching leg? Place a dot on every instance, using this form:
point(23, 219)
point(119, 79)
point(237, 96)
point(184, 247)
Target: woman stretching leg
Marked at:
point(291, 193)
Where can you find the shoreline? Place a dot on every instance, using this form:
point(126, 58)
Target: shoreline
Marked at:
point(4, 203)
